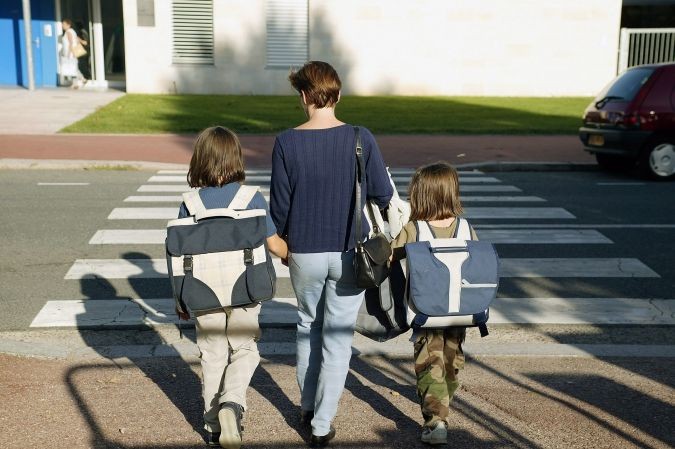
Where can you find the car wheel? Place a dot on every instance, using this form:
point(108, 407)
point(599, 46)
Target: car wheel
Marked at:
point(610, 162)
point(658, 161)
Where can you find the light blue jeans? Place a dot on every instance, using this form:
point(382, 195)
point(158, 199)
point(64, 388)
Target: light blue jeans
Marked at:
point(328, 304)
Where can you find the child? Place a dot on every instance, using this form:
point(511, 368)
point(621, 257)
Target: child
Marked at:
point(434, 197)
point(227, 338)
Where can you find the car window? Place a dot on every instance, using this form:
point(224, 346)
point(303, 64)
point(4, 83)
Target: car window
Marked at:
point(627, 85)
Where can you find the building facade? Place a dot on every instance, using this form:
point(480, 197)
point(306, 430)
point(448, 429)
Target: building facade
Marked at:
point(388, 47)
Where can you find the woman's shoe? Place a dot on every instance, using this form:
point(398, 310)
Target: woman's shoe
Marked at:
point(321, 441)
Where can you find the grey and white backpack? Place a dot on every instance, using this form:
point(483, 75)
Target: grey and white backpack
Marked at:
point(218, 257)
point(451, 281)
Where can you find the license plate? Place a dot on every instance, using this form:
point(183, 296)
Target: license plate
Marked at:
point(596, 140)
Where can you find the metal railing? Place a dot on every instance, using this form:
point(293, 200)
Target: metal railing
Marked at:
point(638, 46)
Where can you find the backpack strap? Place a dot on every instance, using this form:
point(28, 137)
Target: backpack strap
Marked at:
point(193, 202)
point(424, 232)
point(463, 230)
point(243, 197)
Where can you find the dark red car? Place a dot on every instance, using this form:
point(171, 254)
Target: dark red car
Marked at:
point(632, 122)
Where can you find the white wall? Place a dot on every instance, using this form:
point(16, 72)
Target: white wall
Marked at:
point(402, 47)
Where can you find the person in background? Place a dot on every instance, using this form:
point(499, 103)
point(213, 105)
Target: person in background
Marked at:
point(69, 62)
point(83, 63)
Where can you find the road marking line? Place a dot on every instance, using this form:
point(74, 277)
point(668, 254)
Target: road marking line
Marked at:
point(536, 236)
point(154, 199)
point(128, 237)
point(394, 172)
point(134, 268)
point(475, 179)
point(518, 212)
point(575, 267)
point(283, 311)
point(510, 268)
point(620, 183)
point(164, 188)
point(488, 188)
point(499, 199)
point(575, 226)
point(468, 199)
point(135, 312)
point(543, 236)
point(63, 183)
point(168, 213)
point(143, 213)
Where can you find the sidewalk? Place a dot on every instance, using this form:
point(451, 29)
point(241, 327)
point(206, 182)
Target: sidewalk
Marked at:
point(525, 403)
point(29, 122)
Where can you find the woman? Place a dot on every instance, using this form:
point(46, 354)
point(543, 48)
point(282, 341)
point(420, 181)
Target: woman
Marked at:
point(69, 64)
point(312, 205)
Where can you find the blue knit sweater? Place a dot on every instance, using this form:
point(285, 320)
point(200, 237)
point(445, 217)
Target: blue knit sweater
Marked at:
point(312, 187)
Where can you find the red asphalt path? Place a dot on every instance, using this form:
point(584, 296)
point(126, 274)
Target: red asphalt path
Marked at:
point(398, 150)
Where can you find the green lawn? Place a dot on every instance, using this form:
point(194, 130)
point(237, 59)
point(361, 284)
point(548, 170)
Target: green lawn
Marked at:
point(185, 114)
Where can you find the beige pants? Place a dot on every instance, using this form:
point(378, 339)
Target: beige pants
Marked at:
point(229, 356)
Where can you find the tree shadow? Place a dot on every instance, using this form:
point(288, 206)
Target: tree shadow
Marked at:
point(643, 412)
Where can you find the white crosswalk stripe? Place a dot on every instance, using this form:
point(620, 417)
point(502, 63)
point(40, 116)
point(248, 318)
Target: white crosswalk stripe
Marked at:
point(283, 311)
point(166, 185)
point(521, 267)
point(168, 213)
point(508, 236)
point(263, 178)
point(464, 199)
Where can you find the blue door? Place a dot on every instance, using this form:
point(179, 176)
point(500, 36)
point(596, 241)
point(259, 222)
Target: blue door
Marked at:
point(14, 70)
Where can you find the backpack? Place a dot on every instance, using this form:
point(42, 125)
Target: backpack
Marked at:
point(451, 282)
point(218, 257)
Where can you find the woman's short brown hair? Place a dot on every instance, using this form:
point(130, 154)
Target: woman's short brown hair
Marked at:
point(320, 83)
point(434, 193)
point(217, 159)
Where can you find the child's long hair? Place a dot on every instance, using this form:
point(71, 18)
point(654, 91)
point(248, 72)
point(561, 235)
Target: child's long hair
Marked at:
point(217, 159)
point(434, 193)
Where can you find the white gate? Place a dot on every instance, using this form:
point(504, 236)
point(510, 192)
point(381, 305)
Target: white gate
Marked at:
point(638, 46)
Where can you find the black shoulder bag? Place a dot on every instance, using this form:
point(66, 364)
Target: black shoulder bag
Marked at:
point(371, 257)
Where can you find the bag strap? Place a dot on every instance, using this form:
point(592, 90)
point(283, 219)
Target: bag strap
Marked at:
point(243, 197)
point(463, 230)
point(193, 202)
point(424, 232)
point(357, 188)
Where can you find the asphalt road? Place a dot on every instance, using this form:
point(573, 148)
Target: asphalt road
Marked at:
point(47, 227)
point(95, 398)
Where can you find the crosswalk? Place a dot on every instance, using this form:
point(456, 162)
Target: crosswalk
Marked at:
point(511, 217)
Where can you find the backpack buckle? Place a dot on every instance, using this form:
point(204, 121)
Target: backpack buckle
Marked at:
point(187, 263)
point(248, 256)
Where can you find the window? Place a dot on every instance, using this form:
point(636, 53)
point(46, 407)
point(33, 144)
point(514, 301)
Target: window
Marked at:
point(193, 31)
point(287, 33)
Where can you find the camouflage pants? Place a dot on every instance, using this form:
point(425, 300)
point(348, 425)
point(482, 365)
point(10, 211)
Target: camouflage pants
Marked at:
point(438, 359)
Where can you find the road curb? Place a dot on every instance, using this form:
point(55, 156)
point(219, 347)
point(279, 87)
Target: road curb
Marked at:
point(81, 164)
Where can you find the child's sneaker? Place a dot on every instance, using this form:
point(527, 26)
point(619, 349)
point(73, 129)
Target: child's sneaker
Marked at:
point(229, 417)
point(436, 435)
